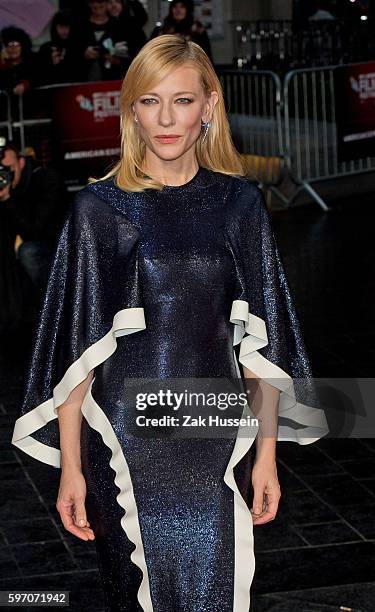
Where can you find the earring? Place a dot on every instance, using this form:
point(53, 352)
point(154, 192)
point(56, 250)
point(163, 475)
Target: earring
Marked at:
point(135, 119)
point(206, 127)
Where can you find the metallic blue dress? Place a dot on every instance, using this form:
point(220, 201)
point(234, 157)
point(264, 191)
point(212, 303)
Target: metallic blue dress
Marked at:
point(185, 283)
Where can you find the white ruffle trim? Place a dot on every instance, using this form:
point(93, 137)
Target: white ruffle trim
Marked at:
point(312, 419)
point(244, 558)
point(126, 321)
point(97, 419)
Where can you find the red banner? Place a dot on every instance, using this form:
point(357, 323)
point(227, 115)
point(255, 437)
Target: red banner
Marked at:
point(355, 110)
point(87, 125)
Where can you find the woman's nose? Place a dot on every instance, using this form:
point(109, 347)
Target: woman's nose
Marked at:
point(166, 115)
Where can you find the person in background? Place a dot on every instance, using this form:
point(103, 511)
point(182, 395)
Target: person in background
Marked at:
point(98, 36)
point(180, 20)
point(131, 17)
point(58, 58)
point(128, 9)
point(16, 290)
point(36, 204)
point(17, 61)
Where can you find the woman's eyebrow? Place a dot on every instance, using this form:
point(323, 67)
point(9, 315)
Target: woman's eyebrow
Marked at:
point(177, 93)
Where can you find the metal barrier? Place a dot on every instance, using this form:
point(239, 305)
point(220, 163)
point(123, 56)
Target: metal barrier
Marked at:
point(280, 131)
point(283, 45)
point(253, 101)
point(6, 116)
point(31, 131)
point(311, 132)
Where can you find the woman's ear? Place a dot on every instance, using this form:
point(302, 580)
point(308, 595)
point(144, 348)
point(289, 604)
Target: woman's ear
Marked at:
point(211, 103)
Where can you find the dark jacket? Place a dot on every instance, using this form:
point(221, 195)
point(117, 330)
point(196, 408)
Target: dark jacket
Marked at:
point(69, 70)
point(12, 75)
point(38, 204)
point(135, 11)
point(96, 70)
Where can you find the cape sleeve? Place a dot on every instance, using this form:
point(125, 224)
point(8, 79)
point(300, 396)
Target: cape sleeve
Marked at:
point(92, 297)
point(267, 330)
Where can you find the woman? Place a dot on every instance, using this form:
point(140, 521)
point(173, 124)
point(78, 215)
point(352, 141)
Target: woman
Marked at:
point(17, 63)
point(163, 266)
point(58, 58)
point(180, 20)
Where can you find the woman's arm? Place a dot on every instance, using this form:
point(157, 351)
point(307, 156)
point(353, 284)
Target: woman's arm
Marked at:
point(72, 493)
point(264, 404)
point(70, 419)
point(264, 401)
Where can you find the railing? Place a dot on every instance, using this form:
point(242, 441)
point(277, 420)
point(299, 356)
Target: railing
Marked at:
point(6, 126)
point(310, 128)
point(282, 129)
point(282, 45)
point(253, 104)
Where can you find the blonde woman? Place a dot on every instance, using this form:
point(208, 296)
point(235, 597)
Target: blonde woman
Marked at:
point(166, 267)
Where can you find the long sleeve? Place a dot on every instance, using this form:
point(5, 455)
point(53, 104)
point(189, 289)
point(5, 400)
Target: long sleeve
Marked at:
point(92, 297)
point(267, 328)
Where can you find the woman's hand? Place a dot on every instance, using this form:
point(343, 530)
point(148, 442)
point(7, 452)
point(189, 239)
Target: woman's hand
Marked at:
point(266, 490)
point(71, 504)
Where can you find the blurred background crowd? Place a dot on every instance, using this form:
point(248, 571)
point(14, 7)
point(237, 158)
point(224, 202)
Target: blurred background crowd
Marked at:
point(89, 42)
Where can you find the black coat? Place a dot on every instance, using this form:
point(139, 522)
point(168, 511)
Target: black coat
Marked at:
point(69, 70)
point(38, 204)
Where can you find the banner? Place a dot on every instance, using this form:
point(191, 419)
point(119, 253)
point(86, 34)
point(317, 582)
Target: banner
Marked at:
point(86, 118)
point(355, 110)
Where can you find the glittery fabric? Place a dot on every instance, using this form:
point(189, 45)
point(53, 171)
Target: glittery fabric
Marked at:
point(183, 254)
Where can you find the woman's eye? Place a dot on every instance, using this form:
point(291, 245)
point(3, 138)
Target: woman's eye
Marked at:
point(147, 100)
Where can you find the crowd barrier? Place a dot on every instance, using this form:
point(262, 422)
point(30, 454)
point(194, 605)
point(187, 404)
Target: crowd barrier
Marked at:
point(285, 45)
point(6, 124)
point(281, 129)
point(253, 105)
point(310, 127)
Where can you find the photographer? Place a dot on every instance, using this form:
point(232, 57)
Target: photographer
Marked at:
point(35, 202)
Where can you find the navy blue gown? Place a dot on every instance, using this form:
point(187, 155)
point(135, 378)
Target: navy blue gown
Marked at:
point(185, 283)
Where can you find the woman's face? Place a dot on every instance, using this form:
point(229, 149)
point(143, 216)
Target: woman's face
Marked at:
point(14, 50)
point(63, 31)
point(114, 7)
point(179, 11)
point(175, 106)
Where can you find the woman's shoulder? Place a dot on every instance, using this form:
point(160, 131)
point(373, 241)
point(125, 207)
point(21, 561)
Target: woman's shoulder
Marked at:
point(94, 218)
point(242, 185)
point(244, 197)
point(94, 201)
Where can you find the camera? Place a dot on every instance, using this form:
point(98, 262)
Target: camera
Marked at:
point(6, 174)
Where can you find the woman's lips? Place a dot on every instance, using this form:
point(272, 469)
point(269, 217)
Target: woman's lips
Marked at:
point(167, 139)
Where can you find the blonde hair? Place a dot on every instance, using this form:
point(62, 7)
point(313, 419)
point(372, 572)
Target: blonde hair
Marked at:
point(155, 60)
